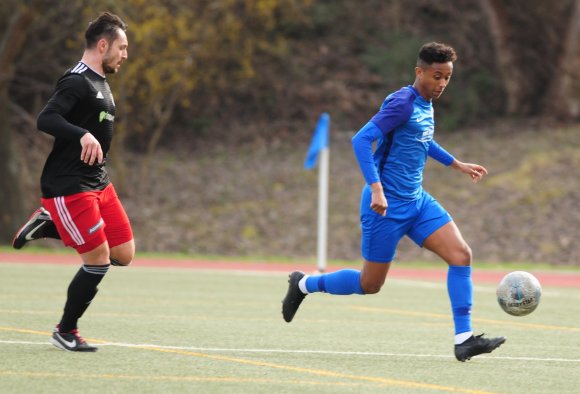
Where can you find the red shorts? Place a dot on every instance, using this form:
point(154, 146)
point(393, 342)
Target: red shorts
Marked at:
point(86, 220)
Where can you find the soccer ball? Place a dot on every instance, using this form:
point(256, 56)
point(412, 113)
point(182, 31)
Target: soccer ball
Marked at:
point(519, 293)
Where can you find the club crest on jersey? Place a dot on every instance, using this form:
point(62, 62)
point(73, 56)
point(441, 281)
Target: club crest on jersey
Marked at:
point(104, 115)
point(426, 136)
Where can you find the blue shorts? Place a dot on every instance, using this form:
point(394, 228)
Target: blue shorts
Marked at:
point(417, 219)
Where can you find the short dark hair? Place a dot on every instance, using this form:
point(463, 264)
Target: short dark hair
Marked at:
point(435, 52)
point(105, 26)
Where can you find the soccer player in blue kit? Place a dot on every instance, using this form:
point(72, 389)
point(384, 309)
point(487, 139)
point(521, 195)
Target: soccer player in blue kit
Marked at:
point(394, 203)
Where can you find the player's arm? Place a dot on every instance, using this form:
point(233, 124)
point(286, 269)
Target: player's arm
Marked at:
point(437, 152)
point(52, 119)
point(395, 113)
point(362, 144)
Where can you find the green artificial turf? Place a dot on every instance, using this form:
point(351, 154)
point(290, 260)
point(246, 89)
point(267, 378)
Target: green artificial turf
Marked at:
point(181, 330)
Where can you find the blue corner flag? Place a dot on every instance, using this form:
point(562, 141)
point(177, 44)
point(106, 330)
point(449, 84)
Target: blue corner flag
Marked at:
point(319, 141)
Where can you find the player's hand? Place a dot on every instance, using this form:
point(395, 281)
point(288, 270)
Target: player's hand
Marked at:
point(475, 171)
point(91, 151)
point(379, 201)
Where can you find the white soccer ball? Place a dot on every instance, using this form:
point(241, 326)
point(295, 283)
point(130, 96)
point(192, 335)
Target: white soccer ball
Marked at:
point(519, 293)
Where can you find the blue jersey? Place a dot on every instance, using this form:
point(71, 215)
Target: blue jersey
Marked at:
point(404, 129)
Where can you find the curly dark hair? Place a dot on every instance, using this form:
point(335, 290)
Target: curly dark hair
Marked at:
point(436, 52)
point(104, 26)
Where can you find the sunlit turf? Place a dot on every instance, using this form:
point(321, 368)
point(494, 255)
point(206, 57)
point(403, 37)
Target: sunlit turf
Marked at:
point(179, 330)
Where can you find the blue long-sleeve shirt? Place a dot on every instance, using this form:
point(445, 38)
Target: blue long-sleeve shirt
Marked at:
point(403, 129)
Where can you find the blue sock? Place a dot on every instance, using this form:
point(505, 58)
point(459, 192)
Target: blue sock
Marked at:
point(460, 289)
point(341, 282)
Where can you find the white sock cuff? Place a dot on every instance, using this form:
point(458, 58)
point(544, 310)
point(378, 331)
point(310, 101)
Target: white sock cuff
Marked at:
point(302, 284)
point(462, 337)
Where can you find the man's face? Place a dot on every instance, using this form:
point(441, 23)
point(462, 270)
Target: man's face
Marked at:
point(433, 79)
point(116, 53)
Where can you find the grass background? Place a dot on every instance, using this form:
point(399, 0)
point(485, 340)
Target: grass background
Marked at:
point(183, 330)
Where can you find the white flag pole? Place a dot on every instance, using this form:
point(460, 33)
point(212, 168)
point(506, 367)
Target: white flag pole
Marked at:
point(323, 207)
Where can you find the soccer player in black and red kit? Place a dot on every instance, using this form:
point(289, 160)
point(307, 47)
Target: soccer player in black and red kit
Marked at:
point(78, 198)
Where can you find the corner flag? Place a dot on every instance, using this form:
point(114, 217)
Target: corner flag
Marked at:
point(319, 147)
point(319, 141)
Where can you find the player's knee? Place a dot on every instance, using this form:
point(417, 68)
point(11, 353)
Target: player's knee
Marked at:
point(122, 258)
point(123, 254)
point(371, 287)
point(463, 256)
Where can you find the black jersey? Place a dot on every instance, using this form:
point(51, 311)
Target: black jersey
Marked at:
point(82, 102)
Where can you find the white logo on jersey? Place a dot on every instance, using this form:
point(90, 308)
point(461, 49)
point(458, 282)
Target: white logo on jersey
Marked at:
point(426, 136)
point(100, 95)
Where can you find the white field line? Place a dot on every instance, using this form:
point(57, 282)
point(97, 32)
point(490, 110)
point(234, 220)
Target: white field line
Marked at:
point(287, 351)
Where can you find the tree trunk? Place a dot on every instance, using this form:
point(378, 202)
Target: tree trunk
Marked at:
point(563, 99)
point(501, 33)
point(11, 198)
point(536, 46)
point(162, 113)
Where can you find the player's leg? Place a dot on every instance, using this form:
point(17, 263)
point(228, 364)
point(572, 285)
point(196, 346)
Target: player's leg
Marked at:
point(448, 244)
point(118, 230)
point(39, 225)
point(380, 236)
point(78, 220)
point(369, 280)
point(436, 231)
point(343, 282)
